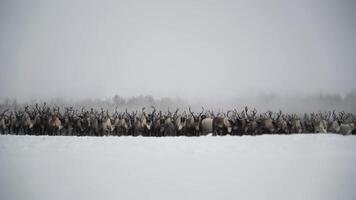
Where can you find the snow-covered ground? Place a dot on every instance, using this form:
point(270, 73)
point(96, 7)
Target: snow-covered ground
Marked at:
point(304, 167)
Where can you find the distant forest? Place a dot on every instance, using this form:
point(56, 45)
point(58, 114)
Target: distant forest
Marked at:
point(262, 102)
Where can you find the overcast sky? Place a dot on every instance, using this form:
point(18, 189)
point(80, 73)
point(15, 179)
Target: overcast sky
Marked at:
point(79, 49)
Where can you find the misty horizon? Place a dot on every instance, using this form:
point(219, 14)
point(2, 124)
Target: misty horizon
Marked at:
point(262, 102)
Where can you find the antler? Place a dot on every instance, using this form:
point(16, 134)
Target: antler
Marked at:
point(176, 112)
point(254, 112)
point(211, 113)
point(127, 112)
point(227, 114)
point(153, 111)
point(201, 111)
point(117, 113)
point(191, 111)
point(169, 113)
point(4, 111)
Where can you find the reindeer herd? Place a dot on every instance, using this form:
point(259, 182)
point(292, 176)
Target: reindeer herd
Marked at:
point(51, 120)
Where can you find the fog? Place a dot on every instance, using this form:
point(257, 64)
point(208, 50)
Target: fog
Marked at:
point(197, 51)
point(297, 104)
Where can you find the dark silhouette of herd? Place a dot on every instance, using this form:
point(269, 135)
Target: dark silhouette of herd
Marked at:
point(53, 120)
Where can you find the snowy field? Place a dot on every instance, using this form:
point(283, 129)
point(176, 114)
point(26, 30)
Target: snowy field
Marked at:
point(299, 167)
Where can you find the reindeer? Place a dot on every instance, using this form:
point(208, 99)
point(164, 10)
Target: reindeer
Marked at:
point(131, 123)
point(54, 123)
point(307, 124)
point(265, 123)
point(193, 123)
point(221, 125)
point(169, 129)
point(281, 124)
point(15, 124)
point(93, 124)
point(179, 122)
point(26, 122)
point(41, 118)
point(147, 122)
point(319, 124)
point(105, 127)
point(85, 122)
point(206, 124)
point(67, 120)
point(295, 124)
point(3, 122)
point(120, 123)
point(334, 123)
point(123, 125)
point(239, 122)
point(347, 125)
point(158, 125)
point(49, 120)
point(251, 125)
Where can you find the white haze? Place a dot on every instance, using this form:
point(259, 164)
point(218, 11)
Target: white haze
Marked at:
point(187, 49)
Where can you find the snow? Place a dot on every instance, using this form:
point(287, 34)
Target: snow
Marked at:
point(308, 166)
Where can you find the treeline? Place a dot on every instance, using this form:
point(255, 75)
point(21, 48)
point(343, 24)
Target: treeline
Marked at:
point(263, 102)
point(119, 102)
